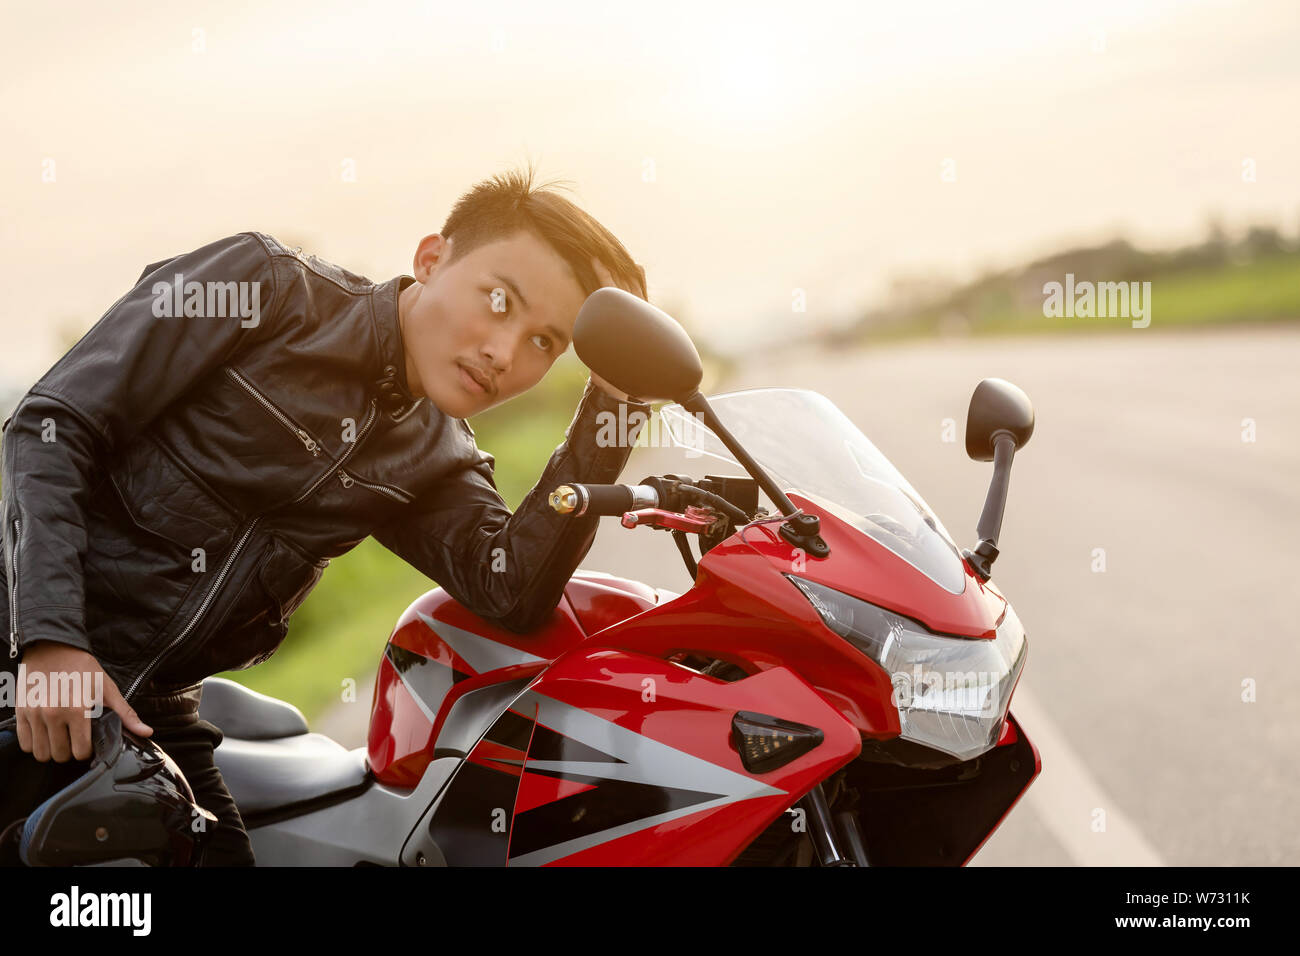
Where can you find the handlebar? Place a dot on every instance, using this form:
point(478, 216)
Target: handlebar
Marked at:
point(713, 508)
point(606, 500)
point(672, 493)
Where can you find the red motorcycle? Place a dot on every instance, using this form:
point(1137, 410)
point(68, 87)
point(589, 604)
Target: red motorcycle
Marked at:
point(833, 690)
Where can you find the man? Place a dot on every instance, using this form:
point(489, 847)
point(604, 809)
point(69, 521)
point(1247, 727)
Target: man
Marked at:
point(176, 483)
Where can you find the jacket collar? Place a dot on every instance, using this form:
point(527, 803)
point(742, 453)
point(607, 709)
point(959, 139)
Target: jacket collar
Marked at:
point(390, 384)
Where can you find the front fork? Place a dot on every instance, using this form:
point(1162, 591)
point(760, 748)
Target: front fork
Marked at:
point(837, 840)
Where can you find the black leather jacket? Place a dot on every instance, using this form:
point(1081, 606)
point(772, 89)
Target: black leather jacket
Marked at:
point(174, 487)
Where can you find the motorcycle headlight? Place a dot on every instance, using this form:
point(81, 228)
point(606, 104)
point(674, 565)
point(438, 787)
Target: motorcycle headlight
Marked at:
point(951, 692)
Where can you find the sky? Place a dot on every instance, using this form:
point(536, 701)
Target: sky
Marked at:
point(750, 156)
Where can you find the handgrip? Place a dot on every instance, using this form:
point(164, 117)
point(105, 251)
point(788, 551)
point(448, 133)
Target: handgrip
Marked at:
point(609, 500)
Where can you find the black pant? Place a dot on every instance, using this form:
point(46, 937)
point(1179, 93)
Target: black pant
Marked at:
point(190, 740)
point(186, 738)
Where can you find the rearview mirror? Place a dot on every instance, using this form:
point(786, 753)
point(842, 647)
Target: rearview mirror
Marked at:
point(997, 406)
point(999, 423)
point(636, 347)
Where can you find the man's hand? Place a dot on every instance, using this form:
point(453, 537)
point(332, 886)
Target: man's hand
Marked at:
point(621, 396)
point(603, 275)
point(63, 733)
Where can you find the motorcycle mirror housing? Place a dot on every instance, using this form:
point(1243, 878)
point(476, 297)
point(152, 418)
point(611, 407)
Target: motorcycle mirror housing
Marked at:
point(999, 422)
point(997, 406)
point(636, 347)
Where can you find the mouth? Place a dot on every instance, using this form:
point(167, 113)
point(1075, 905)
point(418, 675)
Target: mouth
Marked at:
point(474, 380)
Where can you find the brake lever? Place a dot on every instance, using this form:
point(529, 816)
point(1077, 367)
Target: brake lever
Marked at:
point(695, 519)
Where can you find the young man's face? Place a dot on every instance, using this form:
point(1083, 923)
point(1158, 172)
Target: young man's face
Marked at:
point(503, 313)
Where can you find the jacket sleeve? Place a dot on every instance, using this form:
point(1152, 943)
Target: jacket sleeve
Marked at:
point(511, 568)
point(132, 363)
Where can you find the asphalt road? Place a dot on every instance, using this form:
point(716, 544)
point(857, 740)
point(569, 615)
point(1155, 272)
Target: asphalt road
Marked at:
point(1133, 690)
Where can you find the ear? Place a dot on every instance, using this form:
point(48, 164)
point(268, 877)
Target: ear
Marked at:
point(432, 251)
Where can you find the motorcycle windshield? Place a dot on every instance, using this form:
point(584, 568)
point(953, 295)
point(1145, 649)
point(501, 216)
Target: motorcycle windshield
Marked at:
point(808, 446)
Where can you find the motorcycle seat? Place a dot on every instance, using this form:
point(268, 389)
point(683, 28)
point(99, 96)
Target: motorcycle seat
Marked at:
point(246, 714)
point(266, 775)
point(268, 757)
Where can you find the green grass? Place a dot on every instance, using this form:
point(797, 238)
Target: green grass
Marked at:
point(1262, 290)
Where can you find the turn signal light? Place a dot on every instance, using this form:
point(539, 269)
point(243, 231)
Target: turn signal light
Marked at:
point(767, 743)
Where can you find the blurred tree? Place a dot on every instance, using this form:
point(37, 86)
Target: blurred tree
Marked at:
point(1261, 241)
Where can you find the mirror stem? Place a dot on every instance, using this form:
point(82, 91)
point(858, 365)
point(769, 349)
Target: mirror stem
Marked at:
point(802, 532)
point(990, 523)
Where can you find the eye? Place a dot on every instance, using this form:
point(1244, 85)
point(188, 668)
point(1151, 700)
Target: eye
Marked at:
point(550, 344)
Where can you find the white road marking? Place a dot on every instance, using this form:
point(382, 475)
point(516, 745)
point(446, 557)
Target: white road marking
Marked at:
point(1065, 796)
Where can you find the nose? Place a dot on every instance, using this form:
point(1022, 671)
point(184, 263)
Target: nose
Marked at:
point(497, 351)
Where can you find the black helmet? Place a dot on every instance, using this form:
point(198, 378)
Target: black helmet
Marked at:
point(133, 802)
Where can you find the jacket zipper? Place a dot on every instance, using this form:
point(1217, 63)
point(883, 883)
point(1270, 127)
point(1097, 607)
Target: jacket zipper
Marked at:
point(13, 593)
point(207, 600)
point(338, 465)
point(300, 433)
point(349, 480)
point(239, 546)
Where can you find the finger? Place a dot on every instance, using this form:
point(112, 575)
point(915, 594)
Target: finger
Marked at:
point(130, 719)
point(40, 739)
point(616, 392)
point(115, 702)
point(24, 732)
point(81, 746)
point(60, 737)
point(603, 275)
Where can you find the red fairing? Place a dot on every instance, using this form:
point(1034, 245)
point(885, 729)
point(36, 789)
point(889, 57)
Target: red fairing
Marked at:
point(744, 610)
point(601, 601)
point(867, 569)
point(647, 746)
point(407, 714)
